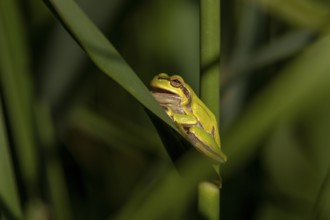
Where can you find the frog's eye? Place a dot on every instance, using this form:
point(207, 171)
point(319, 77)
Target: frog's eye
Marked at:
point(175, 83)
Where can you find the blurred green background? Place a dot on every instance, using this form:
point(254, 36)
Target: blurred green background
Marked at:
point(76, 145)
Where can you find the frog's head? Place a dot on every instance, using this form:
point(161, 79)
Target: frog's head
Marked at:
point(173, 85)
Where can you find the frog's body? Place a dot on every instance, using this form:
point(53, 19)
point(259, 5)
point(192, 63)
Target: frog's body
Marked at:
point(196, 122)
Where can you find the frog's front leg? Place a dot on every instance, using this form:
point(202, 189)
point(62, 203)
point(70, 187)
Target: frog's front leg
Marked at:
point(182, 121)
point(206, 143)
point(185, 120)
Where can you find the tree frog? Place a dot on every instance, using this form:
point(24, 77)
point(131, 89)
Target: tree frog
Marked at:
point(194, 120)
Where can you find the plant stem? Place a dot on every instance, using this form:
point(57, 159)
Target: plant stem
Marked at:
point(210, 54)
point(208, 193)
point(208, 200)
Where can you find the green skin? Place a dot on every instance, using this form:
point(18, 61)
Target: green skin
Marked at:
point(195, 121)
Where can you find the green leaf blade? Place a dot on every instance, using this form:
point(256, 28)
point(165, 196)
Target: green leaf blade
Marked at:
point(103, 54)
point(8, 188)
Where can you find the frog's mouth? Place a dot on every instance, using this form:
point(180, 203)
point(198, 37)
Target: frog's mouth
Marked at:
point(163, 91)
point(165, 97)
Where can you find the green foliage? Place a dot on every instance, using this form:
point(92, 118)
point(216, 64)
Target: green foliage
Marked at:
point(8, 188)
point(16, 90)
point(76, 141)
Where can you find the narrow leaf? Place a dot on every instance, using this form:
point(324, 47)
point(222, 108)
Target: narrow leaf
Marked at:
point(103, 54)
point(17, 90)
point(8, 188)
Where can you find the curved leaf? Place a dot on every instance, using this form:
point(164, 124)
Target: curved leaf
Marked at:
point(103, 54)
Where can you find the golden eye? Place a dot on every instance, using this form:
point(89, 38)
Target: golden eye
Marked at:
point(175, 83)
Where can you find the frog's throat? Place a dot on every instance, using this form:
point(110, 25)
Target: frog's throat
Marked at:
point(167, 98)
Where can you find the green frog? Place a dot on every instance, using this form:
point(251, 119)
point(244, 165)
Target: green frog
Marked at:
point(191, 116)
